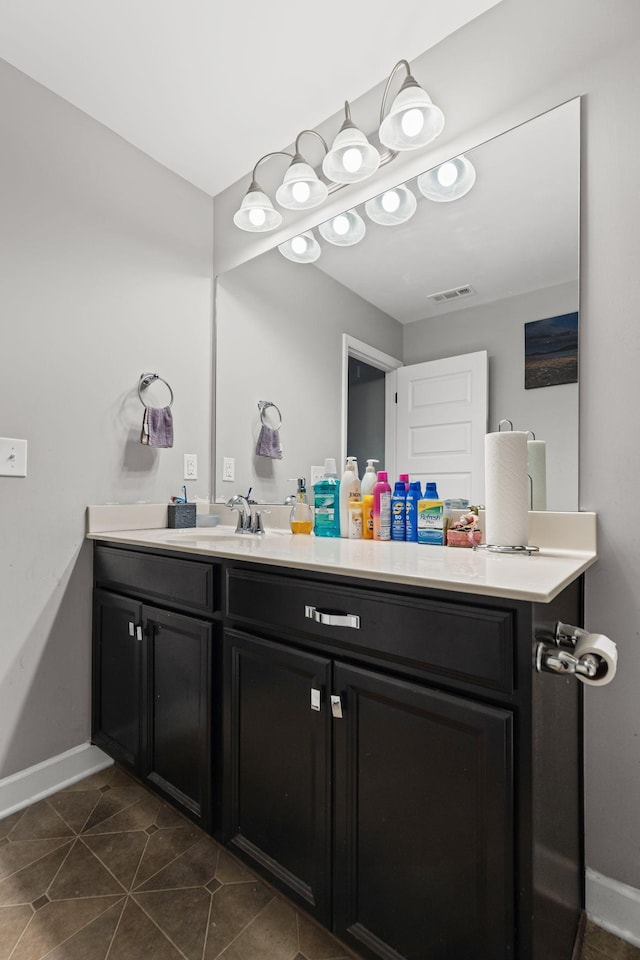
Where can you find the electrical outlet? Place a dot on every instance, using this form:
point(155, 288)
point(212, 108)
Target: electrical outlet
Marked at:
point(191, 466)
point(13, 457)
point(228, 468)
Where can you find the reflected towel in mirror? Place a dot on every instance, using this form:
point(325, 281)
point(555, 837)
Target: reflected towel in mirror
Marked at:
point(268, 444)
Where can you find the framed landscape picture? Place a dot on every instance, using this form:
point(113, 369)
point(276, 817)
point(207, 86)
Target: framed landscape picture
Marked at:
point(551, 351)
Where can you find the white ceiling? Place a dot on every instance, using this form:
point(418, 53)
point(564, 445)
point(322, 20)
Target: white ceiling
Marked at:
point(206, 87)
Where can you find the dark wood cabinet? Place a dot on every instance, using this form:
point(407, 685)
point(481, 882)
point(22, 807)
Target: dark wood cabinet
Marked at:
point(278, 783)
point(423, 821)
point(153, 672)
point(385, 754)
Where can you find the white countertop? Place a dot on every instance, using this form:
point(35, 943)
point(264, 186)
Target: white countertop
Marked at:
point(539, 577)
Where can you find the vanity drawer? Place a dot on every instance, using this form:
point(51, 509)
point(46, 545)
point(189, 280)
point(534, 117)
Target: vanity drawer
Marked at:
point(467, 643)
point(190, 585)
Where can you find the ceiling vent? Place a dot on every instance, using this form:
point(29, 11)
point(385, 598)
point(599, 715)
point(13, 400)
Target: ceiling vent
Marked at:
point(454, 294)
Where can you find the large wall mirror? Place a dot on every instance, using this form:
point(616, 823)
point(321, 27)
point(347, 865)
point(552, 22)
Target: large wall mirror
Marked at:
point(513, 239)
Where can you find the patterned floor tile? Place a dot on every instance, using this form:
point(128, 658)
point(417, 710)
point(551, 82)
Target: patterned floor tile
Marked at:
point(233, 907)
point(31, 882)
point(14, 856)
point(75, 808)
point(182, 914)
point(162, 848)
point(92, 942)
point(195, 867)
point(40, 822)
point(601, 945)
point(13, 921)
point(316, 943)
point(57, 922)
point(273, 934)
point(82, 875)
point(137, 938)
point(120, 853)
point(230, 870)
point(136, 816)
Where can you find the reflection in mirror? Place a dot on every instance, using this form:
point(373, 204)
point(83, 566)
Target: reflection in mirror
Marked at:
point(455, 278)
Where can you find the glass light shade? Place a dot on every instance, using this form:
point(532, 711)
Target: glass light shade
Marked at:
point(395, 206)
point(351, 157)
point(301, 249)
point(449, 181)
point(256, 213)
point(343, 230)
point(300, 188)
point(413, 120)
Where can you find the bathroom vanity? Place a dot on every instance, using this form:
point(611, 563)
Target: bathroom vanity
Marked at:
point(369, 733)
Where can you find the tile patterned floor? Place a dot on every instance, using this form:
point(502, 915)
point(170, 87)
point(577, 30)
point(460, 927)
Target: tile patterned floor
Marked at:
point(600, 945)
point(107, 871)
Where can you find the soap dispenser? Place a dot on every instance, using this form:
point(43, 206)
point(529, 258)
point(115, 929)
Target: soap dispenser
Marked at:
point(349, 490)
point(370, 478)
point(301, 516)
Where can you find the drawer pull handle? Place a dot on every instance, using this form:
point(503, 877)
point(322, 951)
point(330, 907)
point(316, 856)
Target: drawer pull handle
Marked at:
point(315, 699)
point(139, 633)
point(132, 628)
point(333, 619)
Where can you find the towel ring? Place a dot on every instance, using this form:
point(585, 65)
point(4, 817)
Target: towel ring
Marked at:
point(263, 406)
point(146, 379)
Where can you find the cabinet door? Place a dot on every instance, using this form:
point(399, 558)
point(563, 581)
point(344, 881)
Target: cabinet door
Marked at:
point(177, 708)
point(116, 676)
point(423, 827)
point(277, 765)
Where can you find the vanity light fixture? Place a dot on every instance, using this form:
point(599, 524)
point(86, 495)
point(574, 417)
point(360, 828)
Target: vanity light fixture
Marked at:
point(450, 181)
point(301, 188)
point(351, 157)
point(343, 230)
point(301, 249)
point(392, 207)
point(412, 122)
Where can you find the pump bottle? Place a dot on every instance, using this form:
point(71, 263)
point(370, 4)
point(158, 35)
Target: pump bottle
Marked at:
point(301, 516)
point(349, 490)
point(370, 478)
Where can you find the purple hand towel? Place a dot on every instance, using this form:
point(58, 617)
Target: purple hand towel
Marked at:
point(268, 444)
point(157, 427)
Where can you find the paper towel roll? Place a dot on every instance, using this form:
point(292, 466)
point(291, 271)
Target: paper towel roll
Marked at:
point(506, 488)
point(606, 650)
point(537, 470)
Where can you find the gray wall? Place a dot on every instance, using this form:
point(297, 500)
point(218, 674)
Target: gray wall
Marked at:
point(514, 62)
point(105, 272)
point(279, 329)
point(551, 412)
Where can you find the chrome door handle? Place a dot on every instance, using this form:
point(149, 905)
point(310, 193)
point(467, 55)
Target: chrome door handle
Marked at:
point(333, 619)
point(132, 628)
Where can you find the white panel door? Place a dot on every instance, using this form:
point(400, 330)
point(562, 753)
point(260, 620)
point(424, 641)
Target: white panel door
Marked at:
point(442, 422)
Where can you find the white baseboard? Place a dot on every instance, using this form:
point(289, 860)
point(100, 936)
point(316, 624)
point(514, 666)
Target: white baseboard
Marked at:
point(614, 906)
point(43, 779)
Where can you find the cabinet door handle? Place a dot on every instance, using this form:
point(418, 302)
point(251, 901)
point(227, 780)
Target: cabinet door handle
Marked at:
point(138, 633)
point(315, 699)
point(336, 707)
point(132, 628)
point(333, 619)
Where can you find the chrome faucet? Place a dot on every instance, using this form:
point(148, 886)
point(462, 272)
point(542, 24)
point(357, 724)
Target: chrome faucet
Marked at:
point(245, 517)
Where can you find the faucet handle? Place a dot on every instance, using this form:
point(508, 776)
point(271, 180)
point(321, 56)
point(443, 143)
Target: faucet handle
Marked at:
point(257, 521)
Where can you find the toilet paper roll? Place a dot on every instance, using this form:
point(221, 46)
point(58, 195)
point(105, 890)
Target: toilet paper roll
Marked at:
point(506, 488)
point(537, 470)
point(606, 650)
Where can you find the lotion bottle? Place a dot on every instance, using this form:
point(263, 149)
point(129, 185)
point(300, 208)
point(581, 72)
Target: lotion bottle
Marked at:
point(369, 479)
point(382, 508)
point(349, 490)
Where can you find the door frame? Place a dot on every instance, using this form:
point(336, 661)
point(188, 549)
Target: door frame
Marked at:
point(351, 347)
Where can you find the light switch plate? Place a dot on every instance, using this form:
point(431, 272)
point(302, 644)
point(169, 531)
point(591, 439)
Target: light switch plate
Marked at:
point(13, 457)
point(317, 473)
point(191, 466)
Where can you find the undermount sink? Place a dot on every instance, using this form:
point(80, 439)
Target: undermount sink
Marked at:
point(217, 535)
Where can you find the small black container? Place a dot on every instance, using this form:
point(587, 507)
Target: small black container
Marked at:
point(181, 514)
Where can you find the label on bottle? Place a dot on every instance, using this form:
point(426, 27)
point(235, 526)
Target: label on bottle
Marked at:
point(398, 520)
point(325, 514)
point(384, 527)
